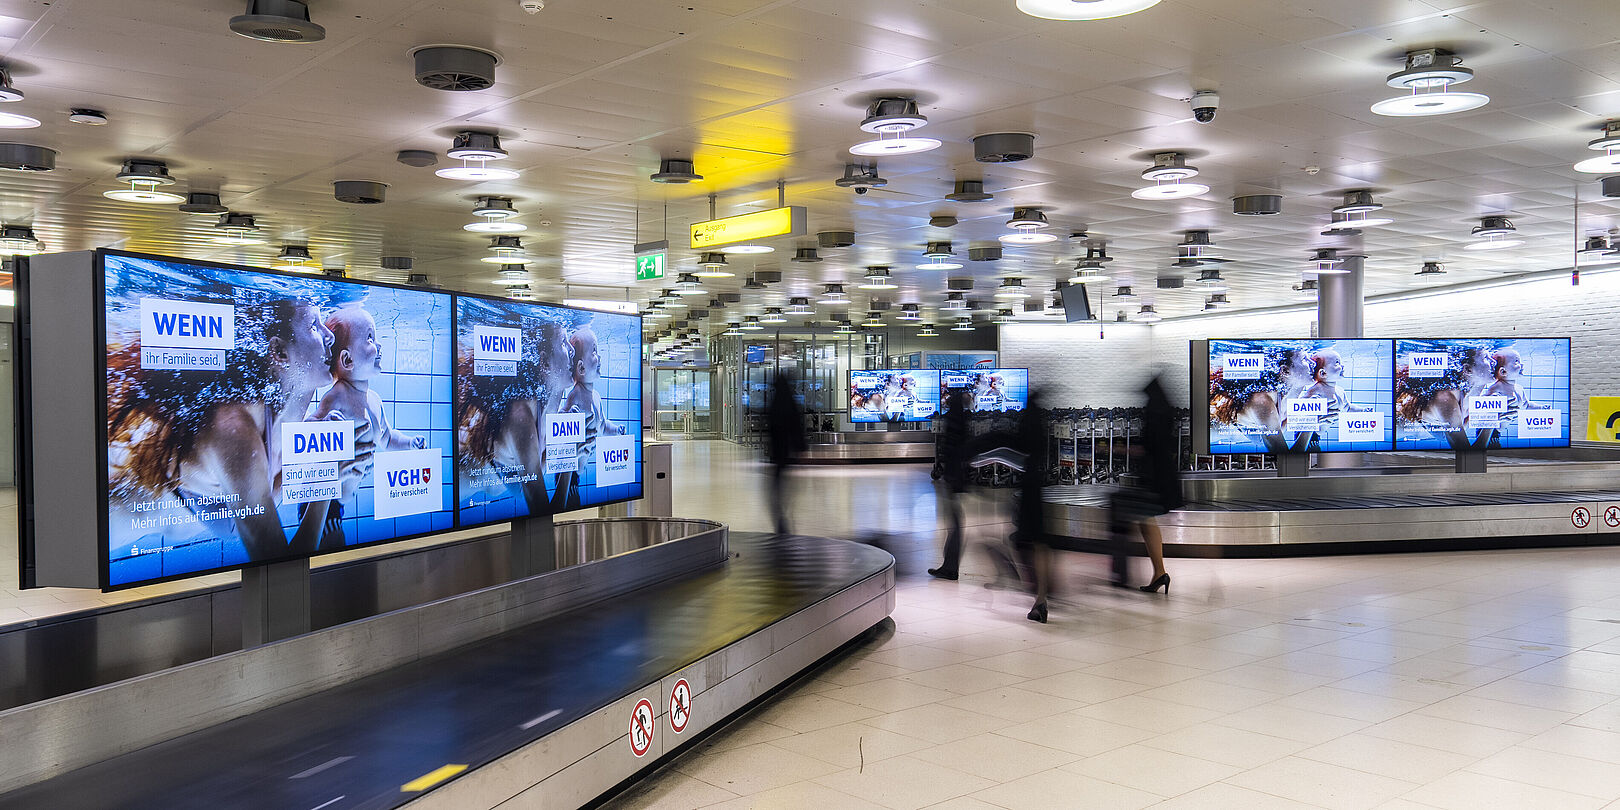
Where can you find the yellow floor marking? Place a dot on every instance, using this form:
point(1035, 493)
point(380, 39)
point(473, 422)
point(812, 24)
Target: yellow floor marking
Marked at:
point(431, 778)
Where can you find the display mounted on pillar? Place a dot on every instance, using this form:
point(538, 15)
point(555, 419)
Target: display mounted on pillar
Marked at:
point(1281, 396)
point(1482, 393)
point(548, 408)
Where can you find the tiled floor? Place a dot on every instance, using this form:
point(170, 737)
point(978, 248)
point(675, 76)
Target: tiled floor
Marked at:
point(1456, 680)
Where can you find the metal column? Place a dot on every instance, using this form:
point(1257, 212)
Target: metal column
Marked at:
point(534, 546)
point(275, 602)
point(1340, 311)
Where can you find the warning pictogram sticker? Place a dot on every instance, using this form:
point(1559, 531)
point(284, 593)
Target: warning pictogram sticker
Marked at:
point(641, 728)
point(680, 706)
point(1581, 517)
point(1611, 517)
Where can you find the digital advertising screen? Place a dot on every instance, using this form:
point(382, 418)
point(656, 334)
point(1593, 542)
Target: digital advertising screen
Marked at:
point(548, 408)
point(256, 417)
point(1318, 396)
point(988, 390)
point(1481, 393)
point(893, 395)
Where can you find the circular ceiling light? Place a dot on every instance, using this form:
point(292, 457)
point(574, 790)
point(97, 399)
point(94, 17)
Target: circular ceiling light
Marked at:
point(1147, 314)
point(799, 305)
point(969, 191)
point(7, 91)
point(1494, 233)
point(1124, 292)
point(1087, 271)
point(1429, 74)
point(676, 171)
point(746, 250)
point(1171, 191)
point(927, 330)
point(1421, 103)
point(1306, 289)
point(143, 194)
point(504, 250)
point(903, 145)
point(1602, 164)
point(1431, 269)
point(877, 278)
point(1027, 238)
point(476, 173)
point(687, 284)
point(751, 324)
point(910, 312)
point(1027, 218)
point(844, 328)
point(773, 315)
point(1354, 222)
point(1326, 263)
point(17, 240)
point(963, 325)
point(834, 294)
point(1012, 289)
point(294, 258)
point(15, 121)
point(495, 226)
point(1083, 9)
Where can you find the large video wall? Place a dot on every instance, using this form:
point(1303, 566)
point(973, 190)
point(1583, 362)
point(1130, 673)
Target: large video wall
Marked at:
point(1347, 395)
point(255, 417)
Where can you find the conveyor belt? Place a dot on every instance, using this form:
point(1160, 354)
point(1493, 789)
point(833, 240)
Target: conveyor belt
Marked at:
point(1360, 522)
point(357, 745)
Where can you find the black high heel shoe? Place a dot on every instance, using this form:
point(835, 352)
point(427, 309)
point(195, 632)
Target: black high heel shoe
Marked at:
point(1038, 613)
point(1160, 581)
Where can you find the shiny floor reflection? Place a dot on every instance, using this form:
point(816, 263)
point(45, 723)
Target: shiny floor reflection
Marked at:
point(1453, 680)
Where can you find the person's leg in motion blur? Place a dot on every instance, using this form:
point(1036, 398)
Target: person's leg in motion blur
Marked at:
point(1154, 541)
point(951, 567)
point(779, 497)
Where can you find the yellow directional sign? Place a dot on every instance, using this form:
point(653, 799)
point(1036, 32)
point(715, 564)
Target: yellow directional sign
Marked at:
point(786, 221)
point(1603, 419)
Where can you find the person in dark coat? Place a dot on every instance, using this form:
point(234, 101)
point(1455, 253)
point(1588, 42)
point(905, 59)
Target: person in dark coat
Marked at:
point(953, 460)
point(1029, 523)
point(785, 425)
point(1159, 484)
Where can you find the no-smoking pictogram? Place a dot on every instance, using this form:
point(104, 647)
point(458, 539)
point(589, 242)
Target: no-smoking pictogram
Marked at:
point(1581, 517)
point(680, 706)
point(641, 728)
point(1611, 517)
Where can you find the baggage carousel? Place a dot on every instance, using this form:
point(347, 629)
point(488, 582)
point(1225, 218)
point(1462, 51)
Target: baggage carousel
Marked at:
point(1384, 507)
point(538, 715)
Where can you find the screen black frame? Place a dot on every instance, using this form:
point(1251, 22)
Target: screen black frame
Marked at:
point(455, 413)
point(1569, 390)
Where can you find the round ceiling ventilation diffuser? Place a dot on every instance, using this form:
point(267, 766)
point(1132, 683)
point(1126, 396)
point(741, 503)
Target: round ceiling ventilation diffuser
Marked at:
point(278, 21)
point(457, 68)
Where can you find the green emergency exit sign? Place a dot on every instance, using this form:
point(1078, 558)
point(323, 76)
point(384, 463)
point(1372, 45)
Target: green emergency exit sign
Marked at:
point(650, 267)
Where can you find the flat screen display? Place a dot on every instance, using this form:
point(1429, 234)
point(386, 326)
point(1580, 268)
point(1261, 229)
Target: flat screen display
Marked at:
point(548, 408)
point(893, 395)
point(1273, 396)
point(256, 417)
point(988, 390)
point(1481, 393)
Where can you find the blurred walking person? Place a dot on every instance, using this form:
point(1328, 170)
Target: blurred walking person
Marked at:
point(953, 453)
point(784, 423)
point(1158, 490)
point(1029, 524)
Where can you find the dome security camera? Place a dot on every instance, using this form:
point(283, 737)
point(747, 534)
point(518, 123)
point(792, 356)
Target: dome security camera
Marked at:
point(1204, 103)
point(532, 6)
point(862, 189)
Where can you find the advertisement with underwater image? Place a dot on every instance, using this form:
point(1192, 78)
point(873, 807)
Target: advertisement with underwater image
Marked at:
point(548, 408)
point(988, 390)
point(1277, 396)
point(254, 417)
point(1481, 393)
point(893, 395)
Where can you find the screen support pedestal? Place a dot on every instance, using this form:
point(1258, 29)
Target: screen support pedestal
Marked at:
point(1293, 465)
point(533, 547)
point(275, 602)
point(1471, 461)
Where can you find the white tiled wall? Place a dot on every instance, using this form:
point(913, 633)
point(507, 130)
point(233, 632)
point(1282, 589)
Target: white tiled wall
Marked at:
point(1078, 370)
point(1075, 367)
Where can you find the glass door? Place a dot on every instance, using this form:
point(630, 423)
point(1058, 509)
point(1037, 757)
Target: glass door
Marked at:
point(684, 403)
